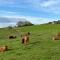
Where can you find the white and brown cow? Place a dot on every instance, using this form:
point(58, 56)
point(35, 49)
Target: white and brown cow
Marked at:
point(25, 38)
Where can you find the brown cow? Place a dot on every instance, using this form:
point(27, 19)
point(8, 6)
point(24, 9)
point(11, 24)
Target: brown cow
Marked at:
point(4, 48)
point(25, 38)
point(57, 37)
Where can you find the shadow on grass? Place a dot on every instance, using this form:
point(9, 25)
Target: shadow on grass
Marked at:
point(35, 43)
point(10, 49)
point(31, 45)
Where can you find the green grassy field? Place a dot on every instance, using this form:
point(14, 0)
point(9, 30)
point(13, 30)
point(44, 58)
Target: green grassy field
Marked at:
point(40, 47)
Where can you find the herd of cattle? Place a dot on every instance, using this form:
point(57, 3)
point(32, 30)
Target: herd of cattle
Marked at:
point(25, 40)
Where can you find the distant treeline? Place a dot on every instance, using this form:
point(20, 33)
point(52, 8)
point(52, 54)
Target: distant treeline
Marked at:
point(21, 24)
point(54, 22)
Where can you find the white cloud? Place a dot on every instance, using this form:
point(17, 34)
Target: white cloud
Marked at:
point(39, 20)
point(34, 20)
point(7, 24)
point(45, 5)
point(49, 3)
point(50, 6)
point(7, 13)
point(14, 19)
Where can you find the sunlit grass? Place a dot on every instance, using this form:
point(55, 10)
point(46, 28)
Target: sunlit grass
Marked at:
point(40, 47)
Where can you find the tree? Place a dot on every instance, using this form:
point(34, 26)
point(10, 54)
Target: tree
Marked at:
point(24, 23)
point(9, 27)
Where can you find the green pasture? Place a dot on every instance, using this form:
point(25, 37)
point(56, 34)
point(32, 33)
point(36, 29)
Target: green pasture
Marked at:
point(40, 47)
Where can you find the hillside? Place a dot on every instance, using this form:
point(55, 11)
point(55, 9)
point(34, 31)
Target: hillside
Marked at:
point(40, 47)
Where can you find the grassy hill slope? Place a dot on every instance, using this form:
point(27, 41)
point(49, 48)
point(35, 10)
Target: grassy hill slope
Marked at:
point(40, 47)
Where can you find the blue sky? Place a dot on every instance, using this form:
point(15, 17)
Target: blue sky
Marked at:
point(36, 11)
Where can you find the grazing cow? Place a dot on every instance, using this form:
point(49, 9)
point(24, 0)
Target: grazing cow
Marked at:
point(4, 48)
point(25, 38)
point(57, 37)
point(12, 37)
